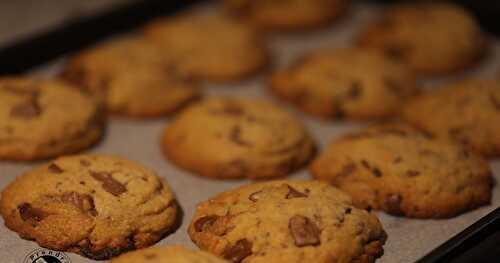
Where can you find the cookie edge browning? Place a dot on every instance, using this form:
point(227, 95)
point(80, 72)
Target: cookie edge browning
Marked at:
point(432, 211)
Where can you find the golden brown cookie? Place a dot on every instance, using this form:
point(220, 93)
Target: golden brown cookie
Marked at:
point(45, 118)
point(210, 47)
point(237, 138)
point(432, 38)
point(402, 171)
point(94, 205)
point(287, 221)
point(348, 82)
point(169, 254)
point(286, 14)
point(132, 77)
point(467, 111)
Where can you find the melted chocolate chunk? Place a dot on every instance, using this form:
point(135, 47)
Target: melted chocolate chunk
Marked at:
point(293, 193)
point(83, 202)
point(204, 223)
point(109, 184)
point(54, 168)
point(235, 136)
point(29, 213)
point(239, 251)
point(304, 231)
point(393, 204)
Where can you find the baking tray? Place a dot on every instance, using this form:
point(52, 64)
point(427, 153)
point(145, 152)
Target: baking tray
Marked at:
point(409, 239)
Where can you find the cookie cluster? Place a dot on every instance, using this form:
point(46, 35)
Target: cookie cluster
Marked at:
point(427, 158)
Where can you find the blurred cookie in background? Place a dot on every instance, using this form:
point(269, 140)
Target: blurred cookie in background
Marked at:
point(432, 38)
point(40, 119)
point(286, 14)
point(168, 254)
point(467, 111)
point(346, 83)
point(226, 137)
point(405, 172)
point(210, 47)
point(132, 77)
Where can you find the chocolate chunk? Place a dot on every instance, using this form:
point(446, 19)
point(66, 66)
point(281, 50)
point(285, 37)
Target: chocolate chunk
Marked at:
point(392, 203)
point(304, 231)
point(235, 136)
point(254, 197)
point(109, 184)
point(412, 173)
point(29, 213)
point(204, 223)
point(365, 164)
point(355, 90)
point(376, 172)
point(239, 251)
point(293, 193)
point(348, 210)
point(27, 110)
point(54, 168)
point(83, 202)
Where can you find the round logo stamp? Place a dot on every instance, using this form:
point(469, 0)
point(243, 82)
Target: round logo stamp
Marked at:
point(43, 255)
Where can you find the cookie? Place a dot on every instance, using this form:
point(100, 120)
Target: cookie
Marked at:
point(237, 138)
point(132, 77)
point(467, 111)
point(210, 47)
point(432, 38)
point(45, 118)
point(402, 171)
point(170, 254)
point(95, 205)
point(347, 82)
point(287, 221)
point(288, 14)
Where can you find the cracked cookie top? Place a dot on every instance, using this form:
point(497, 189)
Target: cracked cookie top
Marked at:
point(467, 111)
point(400, 170)
point(45, 118)
point(287, 221)
point(236, 138)
point(169, 254)
point(94, 205)
point(346, 82)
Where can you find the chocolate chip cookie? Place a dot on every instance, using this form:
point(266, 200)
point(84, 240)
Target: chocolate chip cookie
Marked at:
point(348, 82)
point(94, 205)
point(287, 221)
point(286, 14)
point(170, 254)
point(132, 77)
point(402, 171)
point(467, 111)
point(210, 47)
point(432, 38)
point(45, 118)
point(237, 138)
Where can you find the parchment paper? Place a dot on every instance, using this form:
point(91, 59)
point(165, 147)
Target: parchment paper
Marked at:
point(409, 239)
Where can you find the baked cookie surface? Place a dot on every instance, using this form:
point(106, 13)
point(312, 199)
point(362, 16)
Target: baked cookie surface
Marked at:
point(287, 221)
point(288, 14)
point(45, 118)
point(432, 38)
point(402, 171)
point(132, 77)
point(94, 205)
point(467, 111)
point(347, 82)
point(169, 254)
point(237, 138)
point(210, 47)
